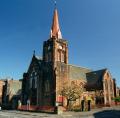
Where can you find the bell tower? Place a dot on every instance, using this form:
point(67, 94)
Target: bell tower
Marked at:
point(55, 49)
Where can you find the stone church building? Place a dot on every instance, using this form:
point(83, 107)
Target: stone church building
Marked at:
point(46, 75)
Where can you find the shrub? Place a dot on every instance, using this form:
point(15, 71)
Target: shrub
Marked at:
point(117, 99)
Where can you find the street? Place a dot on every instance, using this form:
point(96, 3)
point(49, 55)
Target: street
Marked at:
point(108, 112)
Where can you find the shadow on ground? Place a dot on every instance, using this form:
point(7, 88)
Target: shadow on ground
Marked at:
point(107, 114)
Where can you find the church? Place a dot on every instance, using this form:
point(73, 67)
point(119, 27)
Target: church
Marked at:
point(46, 75)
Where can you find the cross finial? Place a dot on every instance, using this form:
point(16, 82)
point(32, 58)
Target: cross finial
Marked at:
point(55, 2)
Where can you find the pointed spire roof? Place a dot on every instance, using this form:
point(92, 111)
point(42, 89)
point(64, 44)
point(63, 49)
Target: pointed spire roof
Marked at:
point(55, 29)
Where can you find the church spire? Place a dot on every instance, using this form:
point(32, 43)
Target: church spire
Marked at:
point(55, 29)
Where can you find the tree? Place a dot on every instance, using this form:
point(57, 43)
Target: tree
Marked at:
point(72, 91)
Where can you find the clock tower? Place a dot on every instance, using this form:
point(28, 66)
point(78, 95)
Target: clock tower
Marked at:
point(55, 49)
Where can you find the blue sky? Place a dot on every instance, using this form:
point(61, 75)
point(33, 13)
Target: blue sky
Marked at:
point(92, 28)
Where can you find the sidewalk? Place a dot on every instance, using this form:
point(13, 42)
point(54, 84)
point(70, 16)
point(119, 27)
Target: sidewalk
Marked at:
point(68, 114)
point(92, 112)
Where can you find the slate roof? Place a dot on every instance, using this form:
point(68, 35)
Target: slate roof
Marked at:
point(94, 79)
point(76, 72)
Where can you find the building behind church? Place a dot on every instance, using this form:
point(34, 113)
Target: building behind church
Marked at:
point(1, 90)
point(46, 75)
point(11, 93)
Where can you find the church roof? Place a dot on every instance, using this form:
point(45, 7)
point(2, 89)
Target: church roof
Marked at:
point(94, 79)
point(76, 72)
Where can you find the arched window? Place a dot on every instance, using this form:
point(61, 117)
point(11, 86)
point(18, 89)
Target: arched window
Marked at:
point(59, 56)
point(46, 56)
point(106, 85)
point(62, 57)
point(47, 86)
point(33, 82)
point(49, 56)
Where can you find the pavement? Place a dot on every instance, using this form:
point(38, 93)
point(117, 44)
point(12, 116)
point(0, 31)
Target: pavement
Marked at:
point(106, 112)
